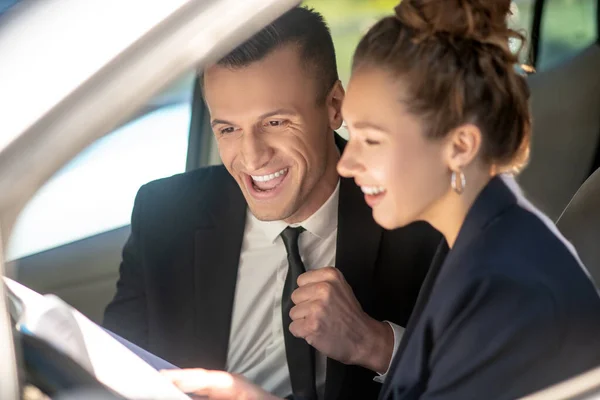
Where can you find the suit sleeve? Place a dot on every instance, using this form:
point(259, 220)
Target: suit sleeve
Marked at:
point(500, 329)
point(126, 315)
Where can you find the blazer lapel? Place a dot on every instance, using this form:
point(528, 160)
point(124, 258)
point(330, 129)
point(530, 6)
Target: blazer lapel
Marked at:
point(218, 242)
point(357, 248)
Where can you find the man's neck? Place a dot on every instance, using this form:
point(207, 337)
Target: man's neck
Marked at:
point(320, 195)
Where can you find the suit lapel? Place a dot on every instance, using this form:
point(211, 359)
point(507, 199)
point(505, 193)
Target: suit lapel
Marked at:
point(357, 248)
point(218, 242)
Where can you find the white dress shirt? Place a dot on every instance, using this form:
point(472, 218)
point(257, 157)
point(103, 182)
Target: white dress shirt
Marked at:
point(256, 343)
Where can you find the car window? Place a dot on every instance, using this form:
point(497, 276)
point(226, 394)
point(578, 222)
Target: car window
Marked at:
point(349, 20)
point(568, 26)
point(94, 193)
point(521, 20)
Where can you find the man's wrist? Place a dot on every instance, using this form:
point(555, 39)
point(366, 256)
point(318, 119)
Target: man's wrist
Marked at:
point(376, 350)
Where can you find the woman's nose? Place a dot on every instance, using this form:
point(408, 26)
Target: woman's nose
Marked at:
point(349, 164)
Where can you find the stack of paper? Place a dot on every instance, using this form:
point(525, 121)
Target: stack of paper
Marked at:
point(105, 357)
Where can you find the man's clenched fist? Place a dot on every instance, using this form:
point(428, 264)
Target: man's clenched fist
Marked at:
point(329, 317)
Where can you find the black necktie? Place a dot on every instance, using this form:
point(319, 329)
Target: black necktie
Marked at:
point(300, 355)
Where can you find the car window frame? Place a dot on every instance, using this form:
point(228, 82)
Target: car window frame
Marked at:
point(536, 29)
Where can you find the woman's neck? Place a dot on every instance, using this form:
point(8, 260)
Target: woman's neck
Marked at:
point(449, 213)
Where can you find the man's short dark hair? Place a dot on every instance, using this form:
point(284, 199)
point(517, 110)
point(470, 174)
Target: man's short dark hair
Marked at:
point(300, 26)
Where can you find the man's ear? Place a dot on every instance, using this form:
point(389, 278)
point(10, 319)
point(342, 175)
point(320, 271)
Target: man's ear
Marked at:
point(334, 105)
point(462, 146)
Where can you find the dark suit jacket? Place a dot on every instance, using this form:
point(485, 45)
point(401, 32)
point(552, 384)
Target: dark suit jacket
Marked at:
point(178, 275)
point(507, 312)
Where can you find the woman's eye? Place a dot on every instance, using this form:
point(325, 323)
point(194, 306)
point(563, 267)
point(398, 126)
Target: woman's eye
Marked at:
point(371, 142)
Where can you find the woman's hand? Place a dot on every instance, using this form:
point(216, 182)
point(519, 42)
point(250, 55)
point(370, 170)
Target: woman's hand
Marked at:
point(216, 385)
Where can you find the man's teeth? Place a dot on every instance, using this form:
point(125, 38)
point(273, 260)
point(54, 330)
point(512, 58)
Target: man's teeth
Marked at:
point(372, 190)
point(266, 178)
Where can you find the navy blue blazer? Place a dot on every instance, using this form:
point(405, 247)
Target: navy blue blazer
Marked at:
point(508, 311)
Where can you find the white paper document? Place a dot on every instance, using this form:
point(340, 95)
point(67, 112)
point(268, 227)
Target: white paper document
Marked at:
point(110, 361)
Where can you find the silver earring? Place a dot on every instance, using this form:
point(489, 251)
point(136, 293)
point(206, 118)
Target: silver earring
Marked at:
point(458, 188)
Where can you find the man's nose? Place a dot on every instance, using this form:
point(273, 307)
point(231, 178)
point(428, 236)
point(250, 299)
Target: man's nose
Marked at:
point(255, 152)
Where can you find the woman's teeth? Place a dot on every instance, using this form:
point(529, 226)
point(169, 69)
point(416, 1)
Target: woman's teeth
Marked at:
point(372, 190)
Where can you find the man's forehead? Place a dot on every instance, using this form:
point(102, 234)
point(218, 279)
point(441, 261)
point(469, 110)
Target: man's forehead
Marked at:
point(252, 98)
point(276, 82)
point(242, 110)
point(284, 65)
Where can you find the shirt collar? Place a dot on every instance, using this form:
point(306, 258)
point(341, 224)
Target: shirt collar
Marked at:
point(321, 224)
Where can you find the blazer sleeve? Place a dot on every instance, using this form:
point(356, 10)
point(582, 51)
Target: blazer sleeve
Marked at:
point(126, 315)
point(499, 328)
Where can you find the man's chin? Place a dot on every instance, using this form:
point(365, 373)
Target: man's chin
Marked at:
point(269, 211)
point(275, 205)
point(267, 216)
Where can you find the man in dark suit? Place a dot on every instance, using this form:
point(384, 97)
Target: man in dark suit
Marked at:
point(271, 266)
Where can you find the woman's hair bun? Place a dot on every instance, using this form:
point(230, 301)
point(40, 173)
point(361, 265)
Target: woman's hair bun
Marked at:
point(455, 64)
point(478, 20)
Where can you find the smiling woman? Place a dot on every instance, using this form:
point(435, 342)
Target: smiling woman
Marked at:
point(440, 121)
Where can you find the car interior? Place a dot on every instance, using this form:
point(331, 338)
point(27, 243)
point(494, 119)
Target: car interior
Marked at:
point(562, 179)
point(580, 223)
point(566, 139)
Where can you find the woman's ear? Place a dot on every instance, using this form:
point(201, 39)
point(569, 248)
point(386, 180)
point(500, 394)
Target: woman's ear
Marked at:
point(462, 146)
point(334, 105)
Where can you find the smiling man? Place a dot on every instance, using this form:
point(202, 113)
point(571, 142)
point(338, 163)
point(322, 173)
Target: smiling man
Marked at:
point(276, 138)
point(271, 266)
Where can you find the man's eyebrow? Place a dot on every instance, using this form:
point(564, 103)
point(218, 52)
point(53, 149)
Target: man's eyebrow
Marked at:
point(281, 111)
point(219, 122)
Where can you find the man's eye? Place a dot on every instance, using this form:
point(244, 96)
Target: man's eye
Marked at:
point(275, 123)
point(371, 142)
point(227, 130)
